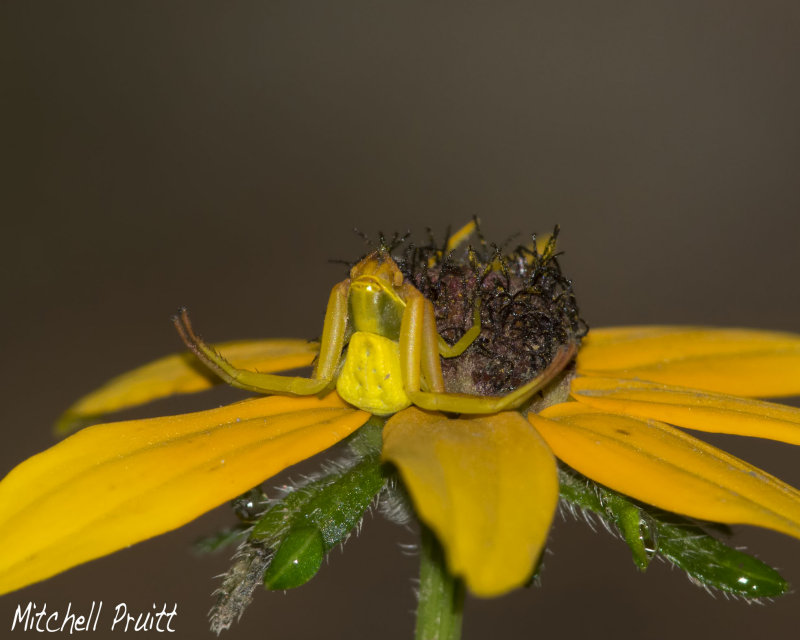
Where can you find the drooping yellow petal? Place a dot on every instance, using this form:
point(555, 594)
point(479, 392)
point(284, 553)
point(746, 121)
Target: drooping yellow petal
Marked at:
point(487, 486)
point(653, 462)
point(740, 362)
point(455, 240)
point(112, 485)
point(690, 408)
point(183, 373)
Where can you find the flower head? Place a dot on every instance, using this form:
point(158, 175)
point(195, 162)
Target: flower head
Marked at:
point(467, 359)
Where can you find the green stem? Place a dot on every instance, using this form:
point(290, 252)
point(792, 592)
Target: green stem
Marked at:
point(441, 595)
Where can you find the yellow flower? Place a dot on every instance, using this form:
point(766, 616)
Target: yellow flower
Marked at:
point(486, 485)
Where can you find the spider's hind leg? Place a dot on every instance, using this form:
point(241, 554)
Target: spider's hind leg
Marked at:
point(420, 361)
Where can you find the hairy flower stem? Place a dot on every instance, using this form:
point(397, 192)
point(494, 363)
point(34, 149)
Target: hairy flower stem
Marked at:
point(441, 595)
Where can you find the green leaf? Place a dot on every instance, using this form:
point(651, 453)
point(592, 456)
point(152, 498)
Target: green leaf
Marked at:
point(368, 440)
point(649, 532)
point(330, 506)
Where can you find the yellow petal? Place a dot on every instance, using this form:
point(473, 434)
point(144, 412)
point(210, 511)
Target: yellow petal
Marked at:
point(690, 408)
point(486, 485)
point(183, 373)
point(740, 362)
point(665, 467)
point(112, 485)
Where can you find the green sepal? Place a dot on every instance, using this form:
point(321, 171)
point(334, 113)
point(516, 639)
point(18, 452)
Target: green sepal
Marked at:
point(634, 525)
point(334, 504)
point(274, 524)
point(715, 564)
point(368, 440)
point(331, 506)
point(340, 506)
point(650, 531)
point(297, 559)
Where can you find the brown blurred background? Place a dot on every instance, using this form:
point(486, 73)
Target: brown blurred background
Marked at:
point(217, 155)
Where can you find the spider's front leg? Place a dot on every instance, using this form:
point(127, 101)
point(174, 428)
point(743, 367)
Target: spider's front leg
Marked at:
point(419, 356)
point(451, 351)
point(331, 344)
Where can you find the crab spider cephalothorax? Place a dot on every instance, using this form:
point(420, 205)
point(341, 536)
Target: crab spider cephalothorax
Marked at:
point(381, 348)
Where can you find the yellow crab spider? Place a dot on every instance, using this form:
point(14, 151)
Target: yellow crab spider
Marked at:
point(381, 348)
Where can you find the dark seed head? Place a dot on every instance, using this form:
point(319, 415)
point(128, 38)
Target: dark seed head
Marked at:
point(527, 310)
